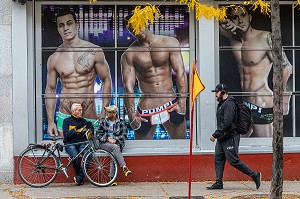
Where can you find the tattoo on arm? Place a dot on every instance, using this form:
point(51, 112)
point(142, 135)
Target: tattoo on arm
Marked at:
point(84, 59)
point(284, 59)
point(269, 40)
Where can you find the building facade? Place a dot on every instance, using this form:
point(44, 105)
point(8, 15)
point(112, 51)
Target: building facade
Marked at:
point(29, 36)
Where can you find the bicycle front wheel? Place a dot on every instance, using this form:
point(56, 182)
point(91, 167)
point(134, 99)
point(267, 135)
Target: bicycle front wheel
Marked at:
point(100, 167)
point(37, 167)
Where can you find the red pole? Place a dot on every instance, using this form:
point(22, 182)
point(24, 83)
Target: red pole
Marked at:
point(191, 150)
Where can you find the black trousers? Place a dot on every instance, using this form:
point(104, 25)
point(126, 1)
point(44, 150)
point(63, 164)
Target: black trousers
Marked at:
point(229, 150)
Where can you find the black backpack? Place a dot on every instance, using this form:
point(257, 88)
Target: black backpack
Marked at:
point(244, 119)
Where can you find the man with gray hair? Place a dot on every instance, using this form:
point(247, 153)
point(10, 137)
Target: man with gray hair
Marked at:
point(72, 128)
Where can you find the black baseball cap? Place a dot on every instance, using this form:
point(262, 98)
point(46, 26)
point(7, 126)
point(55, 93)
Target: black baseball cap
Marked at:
point(220, 87)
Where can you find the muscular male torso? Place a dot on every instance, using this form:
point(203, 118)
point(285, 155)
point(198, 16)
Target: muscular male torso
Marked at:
point(153, 72)
point(76, 69)
point(254, 63)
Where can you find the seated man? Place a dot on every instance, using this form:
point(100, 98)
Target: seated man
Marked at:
point(72, 128)
point(112, 133)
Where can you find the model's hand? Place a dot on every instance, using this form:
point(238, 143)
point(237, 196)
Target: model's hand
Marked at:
point(136, 122)
point(52, 129)
point(111, 140)
point(228, 25)
point(286, 103)
point(179, 108)
point(212, 138)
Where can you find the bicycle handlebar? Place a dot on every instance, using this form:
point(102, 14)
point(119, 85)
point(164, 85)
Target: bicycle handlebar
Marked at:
point(54, 138)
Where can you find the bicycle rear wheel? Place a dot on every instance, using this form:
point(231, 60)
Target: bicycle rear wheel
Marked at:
point(100, 167)
point(37, 167)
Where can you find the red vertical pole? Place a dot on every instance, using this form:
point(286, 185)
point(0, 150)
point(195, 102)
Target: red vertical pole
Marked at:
point(191, 150)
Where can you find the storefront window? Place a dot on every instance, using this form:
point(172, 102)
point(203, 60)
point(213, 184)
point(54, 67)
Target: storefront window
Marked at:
point(245, 59)
point(77, 72)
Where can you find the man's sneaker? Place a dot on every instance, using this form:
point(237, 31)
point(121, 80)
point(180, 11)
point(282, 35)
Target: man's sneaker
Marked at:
point(78, 182)
point(114, 184)
point(215, 186)
point(257, 180)
point(127, 172)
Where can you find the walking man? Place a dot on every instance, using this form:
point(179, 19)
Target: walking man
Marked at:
point(228, 139)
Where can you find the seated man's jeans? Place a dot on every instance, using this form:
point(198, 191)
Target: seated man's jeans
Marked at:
point(73, 150)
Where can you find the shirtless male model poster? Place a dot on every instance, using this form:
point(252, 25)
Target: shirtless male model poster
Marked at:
point(245, 54)
point(79, 47)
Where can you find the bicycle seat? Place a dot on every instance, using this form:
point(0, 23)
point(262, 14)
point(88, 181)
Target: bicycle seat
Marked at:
point(54, 138)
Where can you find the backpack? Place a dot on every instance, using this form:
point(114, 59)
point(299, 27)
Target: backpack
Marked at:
point(244, 119)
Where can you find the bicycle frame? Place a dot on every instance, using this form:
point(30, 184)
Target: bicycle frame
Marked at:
point(55, 146)
point(39, 164)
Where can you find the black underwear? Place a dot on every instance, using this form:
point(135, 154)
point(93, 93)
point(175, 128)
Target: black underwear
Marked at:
point(260, 115)
point(158, 115)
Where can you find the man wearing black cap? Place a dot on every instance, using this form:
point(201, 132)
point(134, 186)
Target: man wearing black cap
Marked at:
point(228, 139)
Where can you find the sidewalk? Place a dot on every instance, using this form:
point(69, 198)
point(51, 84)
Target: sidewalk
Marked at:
point(153, 190)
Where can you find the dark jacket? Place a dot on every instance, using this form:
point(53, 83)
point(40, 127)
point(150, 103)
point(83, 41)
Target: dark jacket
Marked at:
point(226, 115)
point(71, 134)
point(119, 131)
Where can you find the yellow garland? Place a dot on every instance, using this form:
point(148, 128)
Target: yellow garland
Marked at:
point(264, 6)
point(298, 4)
point(142, 17)
point(204, 11)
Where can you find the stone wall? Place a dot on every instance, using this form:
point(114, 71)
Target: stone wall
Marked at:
point(6, 90)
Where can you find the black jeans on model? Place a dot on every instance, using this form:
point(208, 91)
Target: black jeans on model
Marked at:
point(228, 150)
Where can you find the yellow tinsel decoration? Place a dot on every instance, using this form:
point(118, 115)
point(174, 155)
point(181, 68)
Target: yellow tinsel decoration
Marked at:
point(201, 10)
point(142, 17)
point(298, 4)
point(264, 6)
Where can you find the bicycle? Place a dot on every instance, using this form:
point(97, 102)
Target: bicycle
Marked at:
point(38, 165)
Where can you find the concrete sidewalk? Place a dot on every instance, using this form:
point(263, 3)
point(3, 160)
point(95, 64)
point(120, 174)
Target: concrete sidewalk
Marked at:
point(150, 190)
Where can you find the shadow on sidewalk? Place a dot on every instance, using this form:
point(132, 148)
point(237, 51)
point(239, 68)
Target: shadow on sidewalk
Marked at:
point(266, 196)
point(185, 197)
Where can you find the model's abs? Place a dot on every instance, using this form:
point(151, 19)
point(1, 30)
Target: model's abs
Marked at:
point(88, 106)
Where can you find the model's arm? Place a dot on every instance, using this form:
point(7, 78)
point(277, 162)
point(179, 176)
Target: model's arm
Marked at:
point(181, 77)
point(103, 72)
point(287, 70)
point(50, 99)
point(128, 77)
point(227, 28)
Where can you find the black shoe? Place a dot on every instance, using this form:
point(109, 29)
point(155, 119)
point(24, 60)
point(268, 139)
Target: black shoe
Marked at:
point(215, 186)
point(78, 182)
point(257, 180)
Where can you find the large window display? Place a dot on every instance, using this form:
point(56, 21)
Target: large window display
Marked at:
point(86, 54)
point(246, 60)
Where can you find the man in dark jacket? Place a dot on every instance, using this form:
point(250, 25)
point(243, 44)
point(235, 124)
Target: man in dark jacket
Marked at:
point(228, 139)
point(73, 128)
point(112, 133)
